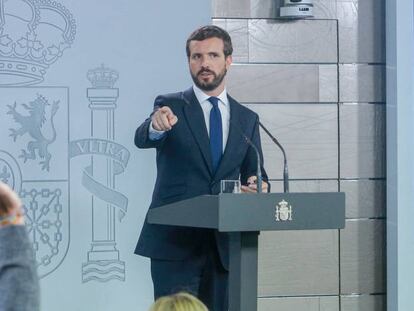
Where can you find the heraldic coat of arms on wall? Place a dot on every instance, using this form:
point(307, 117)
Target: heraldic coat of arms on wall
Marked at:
point(34, 156)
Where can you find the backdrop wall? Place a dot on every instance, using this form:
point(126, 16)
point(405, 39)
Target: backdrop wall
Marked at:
point(77, 77)
point(319, 86)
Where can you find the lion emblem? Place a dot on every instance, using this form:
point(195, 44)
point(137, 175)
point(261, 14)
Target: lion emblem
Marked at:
point(32, 124)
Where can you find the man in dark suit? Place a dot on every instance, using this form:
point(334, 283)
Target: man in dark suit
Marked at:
point(198, 137)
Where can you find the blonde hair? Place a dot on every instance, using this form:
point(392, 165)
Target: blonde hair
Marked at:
point(178, 302)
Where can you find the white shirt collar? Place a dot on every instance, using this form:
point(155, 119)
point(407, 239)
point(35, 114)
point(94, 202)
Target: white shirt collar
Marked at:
point(201, 96)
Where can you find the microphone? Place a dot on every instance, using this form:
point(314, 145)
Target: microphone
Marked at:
point(258, 170)
point(285, 166)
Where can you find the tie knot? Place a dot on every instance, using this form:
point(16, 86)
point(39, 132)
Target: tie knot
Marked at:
point(214, 101)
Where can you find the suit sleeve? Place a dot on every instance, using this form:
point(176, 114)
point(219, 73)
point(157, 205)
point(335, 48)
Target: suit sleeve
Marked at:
point(19, 284)
point(142, 139)
point(249, 165)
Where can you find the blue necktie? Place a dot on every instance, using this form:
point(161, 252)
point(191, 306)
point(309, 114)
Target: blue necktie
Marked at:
point(216, 133)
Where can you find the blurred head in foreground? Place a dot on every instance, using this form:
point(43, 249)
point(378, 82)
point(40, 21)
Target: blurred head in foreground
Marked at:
point(11, 212)
point(178, 302)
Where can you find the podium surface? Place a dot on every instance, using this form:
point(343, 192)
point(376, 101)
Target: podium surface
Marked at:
point(243, 216)
point(243, 212)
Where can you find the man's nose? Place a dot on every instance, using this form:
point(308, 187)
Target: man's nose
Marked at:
point(205, 63)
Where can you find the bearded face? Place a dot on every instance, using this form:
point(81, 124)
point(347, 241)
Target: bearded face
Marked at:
point(208, 80)
point(208, 64)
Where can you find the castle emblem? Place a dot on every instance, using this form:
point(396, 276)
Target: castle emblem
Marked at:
point(32, 124)
point(283, 211)
point(33, 35)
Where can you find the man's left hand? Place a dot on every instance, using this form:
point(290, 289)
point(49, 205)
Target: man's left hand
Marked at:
point(252, 185)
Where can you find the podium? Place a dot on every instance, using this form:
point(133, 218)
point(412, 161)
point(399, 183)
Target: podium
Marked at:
point(243, 216)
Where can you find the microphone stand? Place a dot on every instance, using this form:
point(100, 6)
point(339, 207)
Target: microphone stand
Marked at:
point(259, 181)
point(285, 166)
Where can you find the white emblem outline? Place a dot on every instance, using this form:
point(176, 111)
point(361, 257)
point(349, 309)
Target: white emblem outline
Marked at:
point(283, 211)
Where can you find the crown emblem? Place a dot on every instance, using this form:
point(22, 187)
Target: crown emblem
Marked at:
point(103, 77)
point(33, 35)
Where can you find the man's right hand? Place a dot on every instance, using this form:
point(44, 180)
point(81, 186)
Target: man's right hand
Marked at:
point(164, 119)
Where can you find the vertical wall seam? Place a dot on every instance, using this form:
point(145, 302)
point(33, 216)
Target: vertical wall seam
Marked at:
point(339, 159)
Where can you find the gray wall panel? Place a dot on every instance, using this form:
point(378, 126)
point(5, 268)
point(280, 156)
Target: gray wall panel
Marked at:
point(283, 83)
point(303, 41)
point(299, 304)
point(324, 9)
point(363, 257)
point(328, 83)
point(361, 31)
point(306, 186)
point(362, 140)
point(362, 83)
point(238, 30)
point(264, 8)
point(364, 198)
point(230, 8)
point(363, 303)
point(308, 135)
point(286, 70)
point(291, 263)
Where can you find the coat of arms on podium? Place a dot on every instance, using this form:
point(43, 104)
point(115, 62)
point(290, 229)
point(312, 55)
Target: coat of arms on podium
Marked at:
point(283, 211)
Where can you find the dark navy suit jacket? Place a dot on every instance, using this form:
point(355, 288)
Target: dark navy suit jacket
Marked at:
point(184, 170)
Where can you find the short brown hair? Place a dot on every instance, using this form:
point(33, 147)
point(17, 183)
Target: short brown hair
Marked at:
point(210, 31)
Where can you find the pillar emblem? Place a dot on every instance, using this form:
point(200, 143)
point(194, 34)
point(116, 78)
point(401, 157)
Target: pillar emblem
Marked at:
point(108, 160)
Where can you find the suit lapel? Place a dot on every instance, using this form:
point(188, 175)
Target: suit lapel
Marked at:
point(195, 119)
point(234, 141)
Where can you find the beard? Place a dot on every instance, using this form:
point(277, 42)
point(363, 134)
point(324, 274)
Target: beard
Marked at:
point(208, 86)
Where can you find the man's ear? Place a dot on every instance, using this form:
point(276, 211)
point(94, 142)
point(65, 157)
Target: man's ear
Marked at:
point(229, 61)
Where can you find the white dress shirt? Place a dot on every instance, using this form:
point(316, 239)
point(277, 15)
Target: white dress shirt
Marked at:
point(206, 106)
